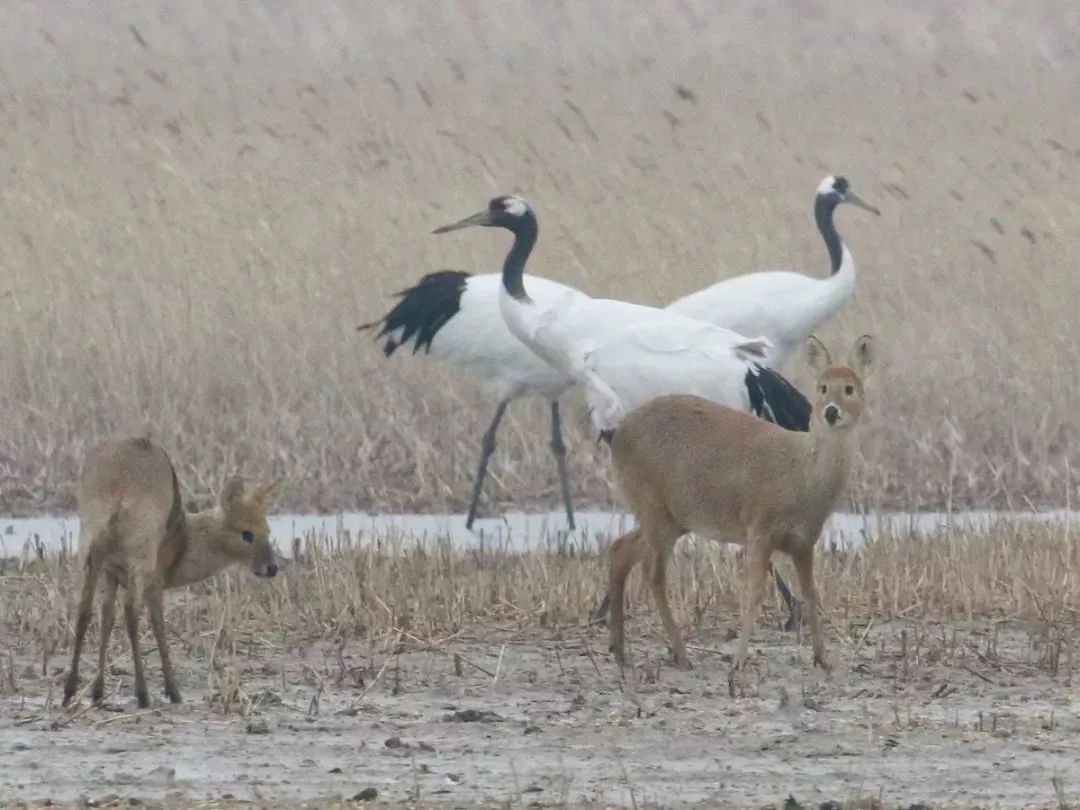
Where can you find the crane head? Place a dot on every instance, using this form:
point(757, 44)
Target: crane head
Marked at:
point(837, 190)
point(505, 211)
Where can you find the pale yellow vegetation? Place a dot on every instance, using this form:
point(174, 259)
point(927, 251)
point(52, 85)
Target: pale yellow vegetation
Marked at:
point(201, 200)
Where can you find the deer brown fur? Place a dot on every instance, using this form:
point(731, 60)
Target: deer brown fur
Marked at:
point(686, 464)
point(134, 533)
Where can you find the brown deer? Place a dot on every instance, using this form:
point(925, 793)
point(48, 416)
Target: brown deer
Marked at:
point(686, 464)
point(134, 532)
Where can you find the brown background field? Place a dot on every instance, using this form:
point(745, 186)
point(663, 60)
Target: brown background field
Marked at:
point(201, 200)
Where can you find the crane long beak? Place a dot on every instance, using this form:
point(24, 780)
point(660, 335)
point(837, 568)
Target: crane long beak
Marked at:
point(481, 218)
point(858, 202)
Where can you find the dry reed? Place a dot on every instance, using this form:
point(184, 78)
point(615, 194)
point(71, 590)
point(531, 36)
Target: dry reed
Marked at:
point(201, 201)
point(346, 611)
point(396, 591)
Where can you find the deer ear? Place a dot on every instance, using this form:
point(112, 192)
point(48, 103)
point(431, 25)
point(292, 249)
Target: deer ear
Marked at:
point(232, 493)
point(863, 355)
point(817, 356)
point(266, 492)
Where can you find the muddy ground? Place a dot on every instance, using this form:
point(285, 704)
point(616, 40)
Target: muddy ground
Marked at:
point(940, 715)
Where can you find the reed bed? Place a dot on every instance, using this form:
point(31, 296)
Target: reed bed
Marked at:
point(201, 202)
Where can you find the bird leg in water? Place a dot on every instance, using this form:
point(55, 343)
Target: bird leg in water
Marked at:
point(487, 448)
point(559, 449)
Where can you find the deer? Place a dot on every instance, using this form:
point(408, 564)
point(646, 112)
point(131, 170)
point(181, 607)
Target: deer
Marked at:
point(135, 533)
point(686, 464)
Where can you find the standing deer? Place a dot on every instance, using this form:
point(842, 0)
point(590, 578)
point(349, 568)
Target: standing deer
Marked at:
point(134, 532)
point(686, 464)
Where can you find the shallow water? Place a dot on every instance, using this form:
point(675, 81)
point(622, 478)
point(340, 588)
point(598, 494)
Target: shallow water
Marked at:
point(519, 530)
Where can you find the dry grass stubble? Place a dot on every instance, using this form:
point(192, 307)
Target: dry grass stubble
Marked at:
point(201, 202)
point(965, 638)
point(397, 592)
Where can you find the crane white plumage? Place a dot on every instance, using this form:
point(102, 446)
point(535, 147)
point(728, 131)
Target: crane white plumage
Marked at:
point(454, 316)
point(626, 354)
point(785, 306)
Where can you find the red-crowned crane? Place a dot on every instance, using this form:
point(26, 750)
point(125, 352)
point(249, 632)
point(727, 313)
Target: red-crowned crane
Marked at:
point(450, 314)
point(783, 306)
point(627, 354)
point(454, 316)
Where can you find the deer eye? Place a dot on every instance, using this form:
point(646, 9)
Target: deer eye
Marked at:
point(248, 536)
point(823, 388)
point(849, 390)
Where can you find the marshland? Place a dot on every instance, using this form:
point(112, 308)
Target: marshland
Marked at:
point(200, 204)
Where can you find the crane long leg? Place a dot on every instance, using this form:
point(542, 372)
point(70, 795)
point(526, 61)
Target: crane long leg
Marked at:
point(559, 449)
point(487, 448)
point(793, 606)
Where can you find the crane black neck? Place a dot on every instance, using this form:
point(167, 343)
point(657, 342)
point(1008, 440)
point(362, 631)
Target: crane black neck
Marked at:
point(824, 207)
point(525, 230)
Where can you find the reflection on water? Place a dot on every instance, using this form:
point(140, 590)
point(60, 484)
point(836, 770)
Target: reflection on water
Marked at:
point(522, 531)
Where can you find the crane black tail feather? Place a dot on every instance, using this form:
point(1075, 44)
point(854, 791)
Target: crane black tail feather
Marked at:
point(424, 309)
point(776, 400)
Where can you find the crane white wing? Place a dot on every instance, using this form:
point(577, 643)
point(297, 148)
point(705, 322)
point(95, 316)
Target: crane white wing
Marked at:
point(629, 380)
point(766, 301)
point(782, 305)
point(626, 355)
point(478, 340)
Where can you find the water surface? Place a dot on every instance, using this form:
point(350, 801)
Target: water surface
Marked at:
point(519, 530)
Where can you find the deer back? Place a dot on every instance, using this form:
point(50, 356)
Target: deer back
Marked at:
point(711, 468)
point(129, 502)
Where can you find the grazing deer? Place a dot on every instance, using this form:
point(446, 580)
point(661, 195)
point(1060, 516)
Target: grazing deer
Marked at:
point(686, 464)
point(134, 532)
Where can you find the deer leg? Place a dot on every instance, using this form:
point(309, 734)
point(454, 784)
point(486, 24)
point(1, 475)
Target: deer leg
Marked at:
point(558, 448)
point(132, 604)
point(803, 557)
point(630, 548)
point(487, 447)
point(157, 624)
point(108, 618)
point(600, 612)
point(82, 622)
point(658, 579)
point(623, 557)
point(757, 566)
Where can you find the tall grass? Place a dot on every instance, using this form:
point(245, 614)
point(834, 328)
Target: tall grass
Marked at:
point(200, 201)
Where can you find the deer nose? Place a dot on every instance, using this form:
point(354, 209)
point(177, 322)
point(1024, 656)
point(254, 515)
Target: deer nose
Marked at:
point(831, 413)
point(271, 569)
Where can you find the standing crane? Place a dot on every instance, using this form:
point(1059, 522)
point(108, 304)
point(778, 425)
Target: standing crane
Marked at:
point(628, 354)
point(783, 306)
point(454, 316)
